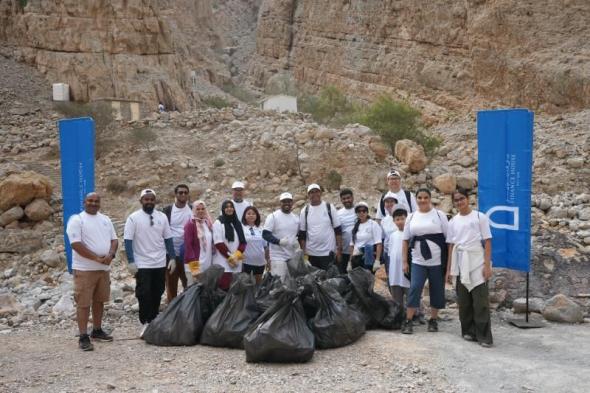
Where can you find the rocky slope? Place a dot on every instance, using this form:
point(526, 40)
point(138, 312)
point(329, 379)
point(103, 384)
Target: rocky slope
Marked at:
point(455, 53)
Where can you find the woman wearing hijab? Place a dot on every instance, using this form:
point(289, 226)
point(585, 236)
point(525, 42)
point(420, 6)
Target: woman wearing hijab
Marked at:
point(198, 242)
point(230, 243)
point(256, 256)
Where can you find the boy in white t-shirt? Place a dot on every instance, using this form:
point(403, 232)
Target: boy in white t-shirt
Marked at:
point(398, 282)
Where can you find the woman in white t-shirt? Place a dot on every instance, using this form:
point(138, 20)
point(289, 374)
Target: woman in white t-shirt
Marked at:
point(470, 251)
point(230, 243)
point(256, 256)
point(425, 235)
point(198, 242)
point(366, 244)
point(387, 225)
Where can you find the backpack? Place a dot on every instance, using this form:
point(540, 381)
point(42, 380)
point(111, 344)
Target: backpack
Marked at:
point(408, 199)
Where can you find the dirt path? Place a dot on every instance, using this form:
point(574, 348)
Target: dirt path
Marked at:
point(552, 359)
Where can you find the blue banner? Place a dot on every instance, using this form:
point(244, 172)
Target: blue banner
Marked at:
point(505, 162)
point(76, 144)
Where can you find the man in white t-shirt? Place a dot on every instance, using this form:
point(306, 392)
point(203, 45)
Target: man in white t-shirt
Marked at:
point(178, 214)
point(94, 245)
point(405, 199)
point(280, 230)
point(320, 232)
point(147, 240)
point(240, 204)
point(347, 218)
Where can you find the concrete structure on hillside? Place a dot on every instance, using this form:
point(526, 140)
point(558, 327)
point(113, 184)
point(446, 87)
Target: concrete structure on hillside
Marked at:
point(124, 109)
point(279, 103)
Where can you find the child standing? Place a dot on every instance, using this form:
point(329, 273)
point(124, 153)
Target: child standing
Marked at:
point(398, 283)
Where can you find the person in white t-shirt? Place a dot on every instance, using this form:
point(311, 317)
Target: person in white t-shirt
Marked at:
point(230, 243)
point(470, 252)
point(347, 218)
point(320, 232)
point(366, 243)
point(178, 214)
point(198, 242)
point(280, 231)
point(425, 235)
point(405, 199)
point(240, 204)
point(147, 240)
point(387, 224)
point(256, 255)
point(398, 282)
point(94, 245)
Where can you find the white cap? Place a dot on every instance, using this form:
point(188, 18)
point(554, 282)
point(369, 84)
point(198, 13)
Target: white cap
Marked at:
point(238, 184)
point(313, 186)
point(361, 204)
point(390, 195)
point(393, 173)
point(285, 195)
point(146, 191)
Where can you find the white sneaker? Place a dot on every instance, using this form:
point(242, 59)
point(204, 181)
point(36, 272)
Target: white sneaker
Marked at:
point(142, 331)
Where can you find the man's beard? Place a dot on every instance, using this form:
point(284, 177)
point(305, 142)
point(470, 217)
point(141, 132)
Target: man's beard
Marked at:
point(148, 208)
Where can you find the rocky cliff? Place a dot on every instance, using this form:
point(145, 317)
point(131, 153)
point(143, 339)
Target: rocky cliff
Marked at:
point(455, 53)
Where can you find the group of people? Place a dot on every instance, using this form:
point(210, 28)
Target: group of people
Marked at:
point(415, 241)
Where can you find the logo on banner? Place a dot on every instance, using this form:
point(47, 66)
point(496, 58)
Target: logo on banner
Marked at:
point(509, 209)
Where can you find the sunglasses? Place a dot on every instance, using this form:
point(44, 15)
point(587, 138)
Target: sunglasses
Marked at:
point(182, 192)
point(151, 220)
point(251, 231)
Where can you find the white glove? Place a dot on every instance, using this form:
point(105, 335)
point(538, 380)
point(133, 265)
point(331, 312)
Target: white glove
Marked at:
point(376, 265)
point(172, 265)
point(284, 242)
point(132, 268)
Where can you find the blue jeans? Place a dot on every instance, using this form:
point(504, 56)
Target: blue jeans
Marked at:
point(436, 284)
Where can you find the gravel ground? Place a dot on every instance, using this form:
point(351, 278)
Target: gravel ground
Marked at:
point(552, 359)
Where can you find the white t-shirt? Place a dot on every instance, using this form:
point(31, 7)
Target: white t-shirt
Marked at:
point(178, 218)
point(254, 254)
point(369, 233)
point(149, 249)
point(347, 219)
point(418, 224)
point(281, 225)
point(388, 227)
point(219, 237)
point(321, 239)
point(396, 268)
point(402, 203)
point(240, 207)
point(470, 229)
point(95, 232)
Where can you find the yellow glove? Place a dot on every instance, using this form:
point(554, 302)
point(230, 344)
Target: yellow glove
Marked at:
point(232, 261)
point(194, 267)
point(238, 255)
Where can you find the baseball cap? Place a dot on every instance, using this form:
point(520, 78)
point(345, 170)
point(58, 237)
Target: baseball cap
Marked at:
point(147, 191)
point(285, 195)
point(238, 184)
point(313, 186)
point(361, 204)
point(393, 173)
point(390, 195)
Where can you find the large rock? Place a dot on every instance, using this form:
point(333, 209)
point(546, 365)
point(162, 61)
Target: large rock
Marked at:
point(560, 308)
point(379, 149)
point(22, 188)
point(38, 210)
point(65, 306)
point(467, 182)
point(51, 258)
point(8, 305)
point(445, 183)
point(10, 215)
point(535, 305)
point(411, 154)
point(20, 241)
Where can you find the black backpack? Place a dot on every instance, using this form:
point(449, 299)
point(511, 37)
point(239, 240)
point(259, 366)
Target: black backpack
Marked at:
point(329, 214)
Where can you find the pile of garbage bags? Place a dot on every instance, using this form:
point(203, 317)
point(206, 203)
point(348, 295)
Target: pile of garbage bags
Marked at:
point(276, 321)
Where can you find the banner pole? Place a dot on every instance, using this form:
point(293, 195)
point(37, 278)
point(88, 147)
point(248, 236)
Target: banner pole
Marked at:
point(527, 298)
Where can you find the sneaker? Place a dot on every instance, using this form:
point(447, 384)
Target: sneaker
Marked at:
point(84, 343)
point(419, 318)
point(486, 345)
point(99, 334)
point(432, 325)
point(142, 331)
point(468, 337)
point(407, 327)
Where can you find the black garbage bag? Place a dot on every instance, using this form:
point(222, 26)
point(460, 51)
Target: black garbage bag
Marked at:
point(336, 323)
point(340, 283)
point(281, 334)
point(265, 294)
point(298, 267)
point(380, 312)
point(183, 320)
point(230, 321)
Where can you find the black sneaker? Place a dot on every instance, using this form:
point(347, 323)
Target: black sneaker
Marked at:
point(407, 327)
point(99, 334)
point(432, 325)
point(84, 343)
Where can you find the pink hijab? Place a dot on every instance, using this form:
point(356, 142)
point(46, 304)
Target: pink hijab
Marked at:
point(201, 222)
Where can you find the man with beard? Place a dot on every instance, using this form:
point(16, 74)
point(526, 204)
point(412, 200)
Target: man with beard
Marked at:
point(147, 240)
point(280, 230)
point(347, 218)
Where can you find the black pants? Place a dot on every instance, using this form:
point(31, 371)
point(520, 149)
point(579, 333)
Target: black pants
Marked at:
point(149, 287)
point(474, 312)
point(343, 263)
point(322, 262)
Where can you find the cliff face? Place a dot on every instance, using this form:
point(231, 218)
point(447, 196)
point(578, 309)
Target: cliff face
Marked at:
point(455, 53)
point(136, 49)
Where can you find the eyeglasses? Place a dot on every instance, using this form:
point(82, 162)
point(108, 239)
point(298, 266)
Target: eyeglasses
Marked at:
point(151, 220)
point(459, 199)
point(182, 192)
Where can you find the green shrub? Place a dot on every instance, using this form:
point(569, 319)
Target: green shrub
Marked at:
point(216, 102)
point(330, 107)
point(218, 162)
point(239, 92)
point(333, 180)
point(143, 136)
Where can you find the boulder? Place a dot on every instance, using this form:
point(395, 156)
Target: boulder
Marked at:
point(467, 182)
point(13, 214)
point(65, 306)
point(20, 241)
point(22, 188)
point(445, 183)
point(560, 308)
point(584, 214)
point(8, 305)
point(50, 258)
point(38, 210)
point(411, 154)
point(535, 305)
point(379, 149)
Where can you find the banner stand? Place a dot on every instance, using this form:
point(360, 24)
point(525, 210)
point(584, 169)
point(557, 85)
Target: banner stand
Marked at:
point(526, 324)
